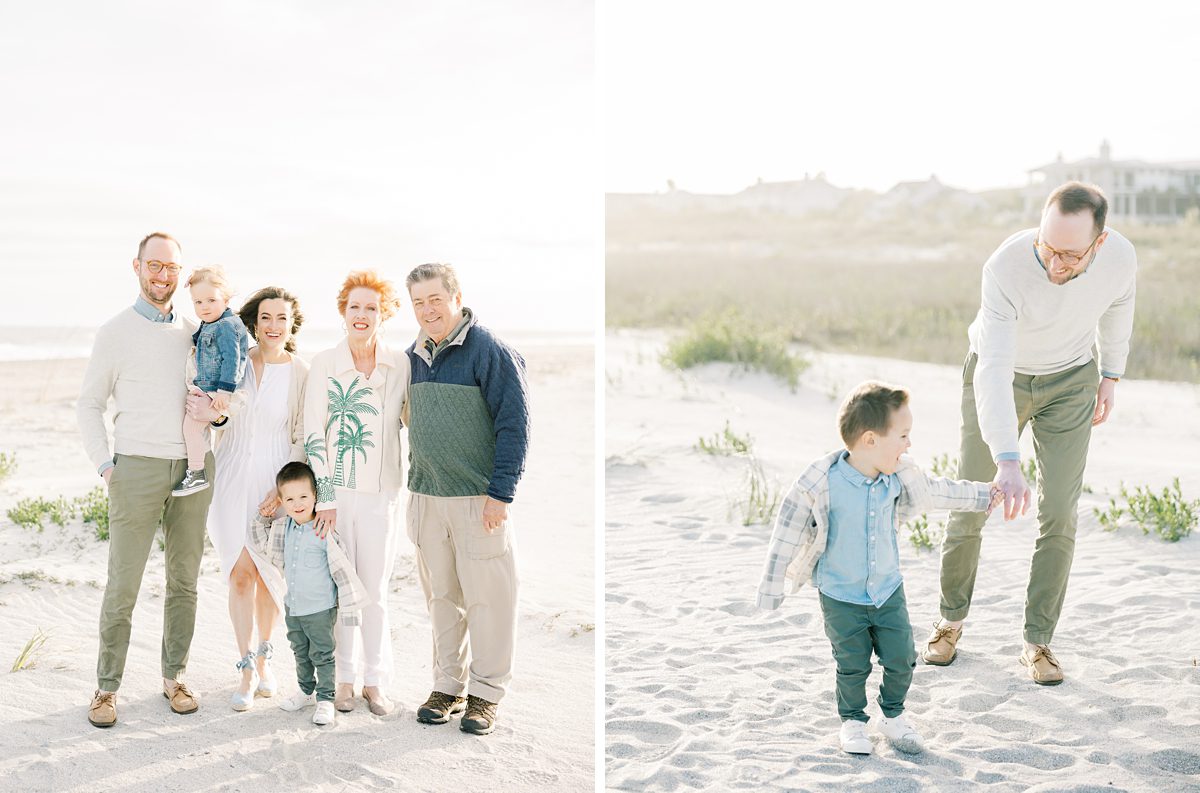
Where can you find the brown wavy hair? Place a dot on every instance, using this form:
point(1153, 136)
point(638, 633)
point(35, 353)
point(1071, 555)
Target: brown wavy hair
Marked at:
point(389, 304)
point(249, 311)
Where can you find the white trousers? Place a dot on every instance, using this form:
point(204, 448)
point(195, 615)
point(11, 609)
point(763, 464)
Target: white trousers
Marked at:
point(367, 524)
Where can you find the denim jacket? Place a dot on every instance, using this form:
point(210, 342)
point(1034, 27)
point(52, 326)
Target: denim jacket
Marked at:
point(222, 348)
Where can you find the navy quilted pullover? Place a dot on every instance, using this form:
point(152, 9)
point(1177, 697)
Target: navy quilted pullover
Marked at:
point(468, 415)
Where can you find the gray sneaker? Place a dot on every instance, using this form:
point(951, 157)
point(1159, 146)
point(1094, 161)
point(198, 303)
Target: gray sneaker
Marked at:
point(193, 482)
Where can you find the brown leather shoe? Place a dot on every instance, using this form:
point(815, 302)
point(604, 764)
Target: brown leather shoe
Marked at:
point(941, 648)
point(343, 697)
point(182, 700)
point(1043, 666)
point(103, 710)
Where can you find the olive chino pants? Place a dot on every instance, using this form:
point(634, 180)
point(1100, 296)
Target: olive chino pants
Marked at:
point(1059, 408)
point(140, 499)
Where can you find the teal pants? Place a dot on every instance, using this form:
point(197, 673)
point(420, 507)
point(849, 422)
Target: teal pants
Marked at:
point(311, 636)
point(855, 632)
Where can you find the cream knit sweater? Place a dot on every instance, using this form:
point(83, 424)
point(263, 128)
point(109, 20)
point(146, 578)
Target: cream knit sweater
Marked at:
point(139, 364)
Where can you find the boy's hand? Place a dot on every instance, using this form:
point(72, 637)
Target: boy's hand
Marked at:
point(220, 400)
point(997, 498)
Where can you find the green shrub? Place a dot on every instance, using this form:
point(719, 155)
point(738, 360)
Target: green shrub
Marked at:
point(726, 443)
point(30, 512)
point(1169, 515)
point(944, 465)
point(8, 465)
point(920, 534)
point(1029, 469)
point(730, 339)
point(93, 507)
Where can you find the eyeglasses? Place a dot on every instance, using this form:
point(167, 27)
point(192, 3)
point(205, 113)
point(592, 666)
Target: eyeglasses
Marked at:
point(156, 266)
point(1068, 259)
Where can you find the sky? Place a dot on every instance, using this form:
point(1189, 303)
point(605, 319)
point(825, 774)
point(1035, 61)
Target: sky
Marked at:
point(715, 95)
point(292, 142)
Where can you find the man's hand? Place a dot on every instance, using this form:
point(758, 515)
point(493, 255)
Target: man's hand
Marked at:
point(108, 472)
point(269, 504)
point(494, 514)
point(325, 523)
point(200, 407)
point(1106, 399)
point(1016, 491)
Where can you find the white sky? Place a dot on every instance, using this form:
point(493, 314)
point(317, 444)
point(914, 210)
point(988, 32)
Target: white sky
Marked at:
point(294, 141)
point(716, 94)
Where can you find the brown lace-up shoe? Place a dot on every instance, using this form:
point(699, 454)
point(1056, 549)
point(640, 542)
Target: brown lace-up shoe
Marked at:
point(941, 648)
point(103, 710)
point(440, 707)
point(480, 717)
point(182, 700)
point(1043, 666)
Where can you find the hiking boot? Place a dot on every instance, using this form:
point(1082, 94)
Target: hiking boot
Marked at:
point(182, 700)
point(941, 648)
point(1043, 666)
point(103, 710)
point(192, 482)
point(440, 707)
point(480, 717)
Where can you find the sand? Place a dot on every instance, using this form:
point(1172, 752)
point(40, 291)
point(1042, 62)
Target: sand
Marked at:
point(53, 580)
point(704, 692)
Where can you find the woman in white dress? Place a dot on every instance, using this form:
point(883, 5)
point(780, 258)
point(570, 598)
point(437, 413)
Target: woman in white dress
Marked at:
point(257, 441)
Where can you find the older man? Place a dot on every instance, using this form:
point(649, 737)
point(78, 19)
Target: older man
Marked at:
point(138, 361)
point(1049, 294)
point(468, 419)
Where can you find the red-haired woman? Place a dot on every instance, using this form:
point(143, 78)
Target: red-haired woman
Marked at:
point(352, 427)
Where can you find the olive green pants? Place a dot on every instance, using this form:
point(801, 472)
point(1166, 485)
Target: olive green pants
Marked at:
point(311, 636)
point(140, 499)
point(1059, 407)
point(855, 631)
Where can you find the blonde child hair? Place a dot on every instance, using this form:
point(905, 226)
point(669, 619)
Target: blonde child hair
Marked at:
point(214, 275)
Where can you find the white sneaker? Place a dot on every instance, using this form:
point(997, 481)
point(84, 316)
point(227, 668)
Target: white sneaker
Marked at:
point(324, 714)
point(298, 700)
point(901, 734)
point(854, 738)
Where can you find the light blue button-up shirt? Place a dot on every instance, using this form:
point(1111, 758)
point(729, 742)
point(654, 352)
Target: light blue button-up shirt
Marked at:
point(310, 587)
point(147, 310)
point(861, 563)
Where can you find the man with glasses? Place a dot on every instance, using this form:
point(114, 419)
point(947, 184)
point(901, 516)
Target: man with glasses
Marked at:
point(138, 361)
point(1049, 294)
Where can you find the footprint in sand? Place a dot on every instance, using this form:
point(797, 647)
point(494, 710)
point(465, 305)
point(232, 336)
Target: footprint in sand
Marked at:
point(1137, 713)
point(646, 731)
point(981, 703)
point(739, 608)
point(1176, 761)
point(664, 498)
point(1030, 756)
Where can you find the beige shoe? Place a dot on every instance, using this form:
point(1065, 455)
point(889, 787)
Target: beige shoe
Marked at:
point(343, 697)
point(941, 648)
point(103, 710)
point(376, 701)
point(1043, 666)
point(182, 700)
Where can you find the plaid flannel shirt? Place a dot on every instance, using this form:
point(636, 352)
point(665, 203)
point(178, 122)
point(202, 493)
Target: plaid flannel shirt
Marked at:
point(268, 534)
point(802, 524)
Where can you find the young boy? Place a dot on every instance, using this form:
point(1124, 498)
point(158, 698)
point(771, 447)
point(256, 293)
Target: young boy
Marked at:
point(222, 348)
point(320, 584)
point(838, 526)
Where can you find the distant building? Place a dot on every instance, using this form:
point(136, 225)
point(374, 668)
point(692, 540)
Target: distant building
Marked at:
point(1150, 192)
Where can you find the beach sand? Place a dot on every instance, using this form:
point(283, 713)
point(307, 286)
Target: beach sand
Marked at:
point(53, 580)
point(704, 692)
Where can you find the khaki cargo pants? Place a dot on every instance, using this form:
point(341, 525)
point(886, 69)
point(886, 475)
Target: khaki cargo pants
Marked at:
point(470, 583)
point(1059, 408)
point(139, 496)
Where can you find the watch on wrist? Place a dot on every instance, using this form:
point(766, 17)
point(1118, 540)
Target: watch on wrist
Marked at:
point(1114, 379)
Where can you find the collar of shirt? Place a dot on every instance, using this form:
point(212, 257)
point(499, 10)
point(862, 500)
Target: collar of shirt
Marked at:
point(292, 525)
point(344, 361)
point(143, 307)
point(852, 474)
point(456, 336)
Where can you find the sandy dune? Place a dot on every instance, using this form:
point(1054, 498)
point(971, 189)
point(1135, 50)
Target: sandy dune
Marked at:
point(702, 692)
point(54, 580)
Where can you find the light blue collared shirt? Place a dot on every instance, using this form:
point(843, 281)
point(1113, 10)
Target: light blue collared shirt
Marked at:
point(310, 587)
point(861, 563)
point(143, 307)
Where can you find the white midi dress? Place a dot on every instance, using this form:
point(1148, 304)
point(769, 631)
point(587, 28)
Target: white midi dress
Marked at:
point(252, 450)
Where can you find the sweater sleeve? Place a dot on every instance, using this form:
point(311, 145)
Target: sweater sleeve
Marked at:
point(98, 382)
point(506, 392)
point(1114, 331)
point(296, 409)
point(316, 411)
point(993, 381)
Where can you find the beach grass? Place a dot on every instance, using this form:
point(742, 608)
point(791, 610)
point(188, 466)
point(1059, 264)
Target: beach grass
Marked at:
point(726, 443)
point(27, 658)
point(728, 338)
point(903, 287)
point(1168, 514)
point(8, 465)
